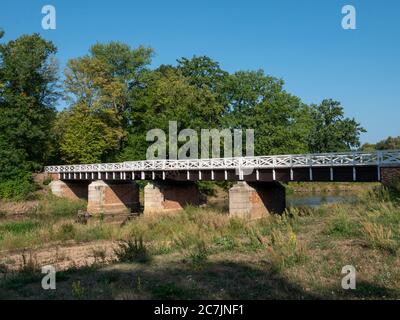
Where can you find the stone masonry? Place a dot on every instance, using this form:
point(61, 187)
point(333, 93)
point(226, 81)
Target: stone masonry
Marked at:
point(112, 198)
point(164, 197)
point(70, 190)
point(255, 200)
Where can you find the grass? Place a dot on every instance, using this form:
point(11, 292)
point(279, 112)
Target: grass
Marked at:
point(132, 251)
point(203, 253)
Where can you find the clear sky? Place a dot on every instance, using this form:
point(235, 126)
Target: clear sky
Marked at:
point(301, 41)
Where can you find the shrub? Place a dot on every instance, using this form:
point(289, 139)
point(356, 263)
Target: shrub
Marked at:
point(206, 188)
point(18, 188)
point(132, 251)
point(46, 181)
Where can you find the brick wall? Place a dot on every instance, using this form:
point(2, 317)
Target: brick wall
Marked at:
point(112, 198)
point(255, 200)
point(388, 174)
point(169, 196)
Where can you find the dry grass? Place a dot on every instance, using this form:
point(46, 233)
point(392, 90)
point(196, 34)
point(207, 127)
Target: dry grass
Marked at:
point(203, 253)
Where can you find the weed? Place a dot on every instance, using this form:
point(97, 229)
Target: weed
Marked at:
point(379, 236)
point(341, 225)
point(132, 251)
point(100, 256)
point(168, 291)
point(19, 227)
point(67, 231)
point(60, 207)
point(198, 256)
point(78, 291)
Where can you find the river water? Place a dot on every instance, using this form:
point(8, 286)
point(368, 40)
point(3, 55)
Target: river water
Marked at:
point(316, 199)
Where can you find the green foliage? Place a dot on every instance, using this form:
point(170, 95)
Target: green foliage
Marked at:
point(391, 143)
point(168, 291)
point(132, 251)
point(28, 76)
point(166, 95)
point(59, 207)
point(281, 122)
point(84, 137)
point(206, 188)
point(19, 227)
point(198, 255)
point(341, 225)
point(99, 86)
point(78, 292)
point(17, 188)
point(67, 231)
point(331, 131)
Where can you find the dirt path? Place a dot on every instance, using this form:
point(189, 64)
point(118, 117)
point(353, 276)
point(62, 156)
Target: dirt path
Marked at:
point(62, 256)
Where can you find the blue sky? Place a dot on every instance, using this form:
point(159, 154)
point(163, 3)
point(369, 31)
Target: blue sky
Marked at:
point(301, 41)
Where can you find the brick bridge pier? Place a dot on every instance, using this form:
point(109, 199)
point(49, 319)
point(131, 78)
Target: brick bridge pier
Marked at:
point(112, 188)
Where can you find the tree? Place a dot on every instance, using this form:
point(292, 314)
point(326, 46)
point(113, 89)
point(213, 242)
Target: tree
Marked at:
point(168, 96)
point(98, 88)
point(391, 143)
point(280, 121)
point(331, 131)
point(28, 83)
point(203, 72)
point(84, 137)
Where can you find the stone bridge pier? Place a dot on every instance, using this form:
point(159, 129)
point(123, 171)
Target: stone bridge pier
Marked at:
point(257, 199)
point(169, 196)
point(113, 197)
point(73, 190)
point(248, 200)
point(104, 197)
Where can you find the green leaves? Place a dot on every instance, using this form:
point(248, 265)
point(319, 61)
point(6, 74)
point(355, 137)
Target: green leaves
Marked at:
point(331, 131)
point(28, 77)
point(114, 99)
point(99, 86)
point(391, 143)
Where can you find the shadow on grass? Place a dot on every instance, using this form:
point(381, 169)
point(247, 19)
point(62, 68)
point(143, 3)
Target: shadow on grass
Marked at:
point(221, 280)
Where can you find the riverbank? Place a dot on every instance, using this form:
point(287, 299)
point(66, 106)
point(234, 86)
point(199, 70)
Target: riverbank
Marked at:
point(202, 253)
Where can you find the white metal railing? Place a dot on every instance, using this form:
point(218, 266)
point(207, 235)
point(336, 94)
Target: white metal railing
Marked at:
point(376, 158)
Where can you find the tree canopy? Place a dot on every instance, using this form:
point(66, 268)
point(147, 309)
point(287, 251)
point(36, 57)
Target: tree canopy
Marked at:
point(28, 91)
point(114, 98)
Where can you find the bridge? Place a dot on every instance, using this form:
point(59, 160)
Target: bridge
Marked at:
point(111, 187)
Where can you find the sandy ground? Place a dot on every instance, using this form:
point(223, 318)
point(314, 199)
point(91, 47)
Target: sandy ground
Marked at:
point(62, 257)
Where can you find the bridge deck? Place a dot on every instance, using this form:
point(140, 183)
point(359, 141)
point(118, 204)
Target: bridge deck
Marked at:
point(348, 166)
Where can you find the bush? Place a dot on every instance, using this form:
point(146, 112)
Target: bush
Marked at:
point(17, 188)
point(132, 251)
point(206, 188)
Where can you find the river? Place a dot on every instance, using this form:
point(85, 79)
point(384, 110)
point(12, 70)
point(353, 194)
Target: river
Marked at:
point(316, 199)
